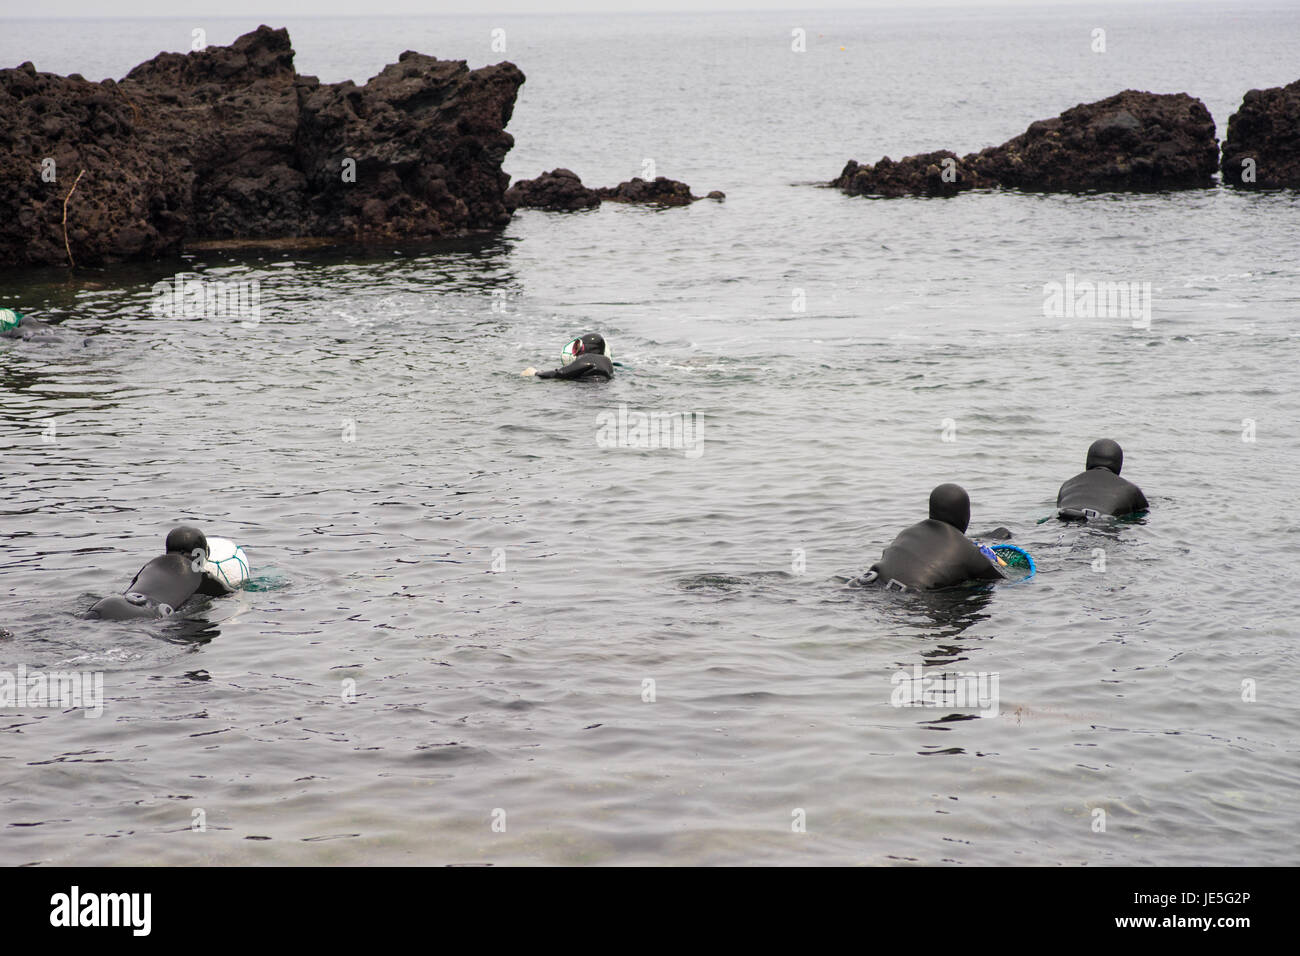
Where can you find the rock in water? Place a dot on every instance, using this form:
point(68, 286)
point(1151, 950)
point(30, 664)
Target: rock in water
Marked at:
point(662, 191)
point(1265, 129)
point(1130, 141)
point(929, 174)
point(560, 190)
point(230, 143)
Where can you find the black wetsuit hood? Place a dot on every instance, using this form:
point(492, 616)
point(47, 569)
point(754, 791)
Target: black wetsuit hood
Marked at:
point(186, 539)
point(592, 342)
point(950, 504)
point(1105, 453)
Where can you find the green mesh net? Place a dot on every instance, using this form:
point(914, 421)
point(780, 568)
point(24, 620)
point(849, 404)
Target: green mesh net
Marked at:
point(1014, 558)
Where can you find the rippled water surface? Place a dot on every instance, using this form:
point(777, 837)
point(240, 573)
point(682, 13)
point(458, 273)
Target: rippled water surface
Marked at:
point(452, 543)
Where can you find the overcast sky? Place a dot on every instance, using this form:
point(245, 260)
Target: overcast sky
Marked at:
point(264, 10)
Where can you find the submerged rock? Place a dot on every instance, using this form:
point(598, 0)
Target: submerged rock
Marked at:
point(231, 143)
point(561, 190)
point(1265, 129)
point(929, 174)
point(1129, 141)
point(661, 191)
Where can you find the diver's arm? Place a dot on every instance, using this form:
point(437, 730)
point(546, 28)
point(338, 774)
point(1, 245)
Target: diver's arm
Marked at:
point(553, 373)
point(977, 561)
point(869, 576)
point(986, 570)
point(978, 567)
point(131, 587)
point(211, 587)
point(576, 369)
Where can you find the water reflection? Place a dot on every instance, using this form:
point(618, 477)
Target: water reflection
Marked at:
point(939, 615)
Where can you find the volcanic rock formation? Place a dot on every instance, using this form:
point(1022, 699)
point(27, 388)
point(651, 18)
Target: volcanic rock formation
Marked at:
point(1130, 141)
point(231, 143)
point(561, 190)
point(1265, 129)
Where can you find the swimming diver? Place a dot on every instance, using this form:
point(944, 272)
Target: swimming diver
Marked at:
point(16, 325)
point(935, 553)
point(584, 357)
point(1099, 490)
point(166, 582)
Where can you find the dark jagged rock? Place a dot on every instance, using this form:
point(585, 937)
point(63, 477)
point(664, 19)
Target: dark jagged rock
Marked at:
point(1129, 141)
point(661, 191)
point(560, 190)
point(1266, 129)
point(929, 174)
point(230, 143)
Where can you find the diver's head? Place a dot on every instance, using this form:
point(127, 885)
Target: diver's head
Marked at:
point(184, 539)
point(591, 342)
point(1104, 453)
point(950, 504)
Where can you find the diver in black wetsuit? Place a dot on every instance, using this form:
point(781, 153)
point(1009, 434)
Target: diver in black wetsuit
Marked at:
point(1099, 490)
point(935, 553)
point(15, 325)
point(166, 582)
point(585, 357)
